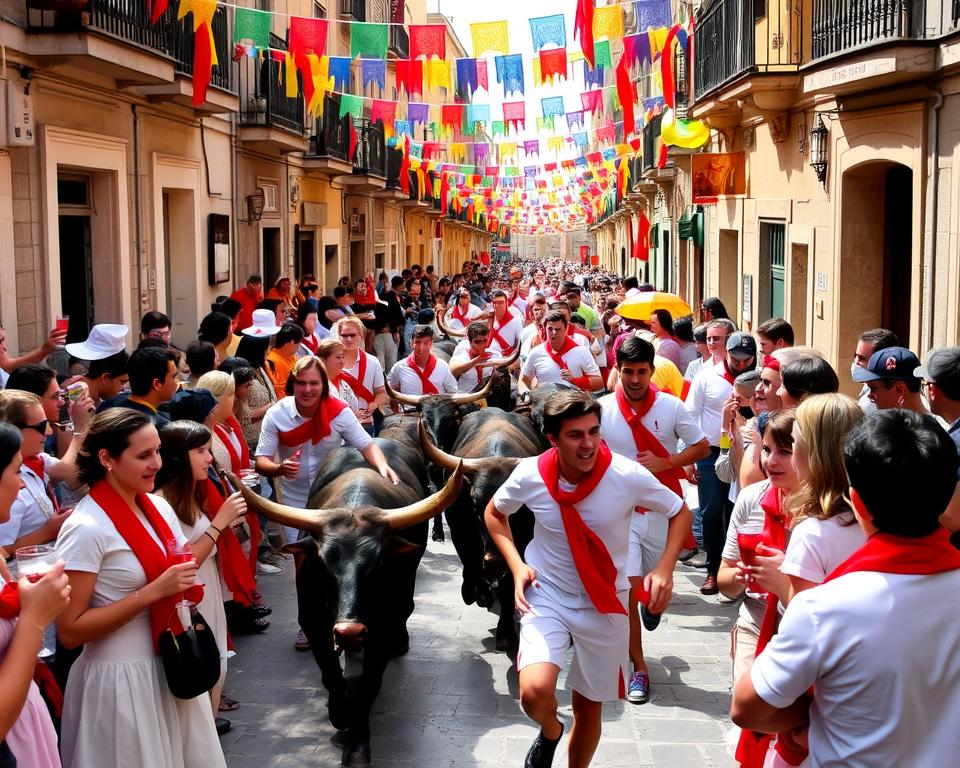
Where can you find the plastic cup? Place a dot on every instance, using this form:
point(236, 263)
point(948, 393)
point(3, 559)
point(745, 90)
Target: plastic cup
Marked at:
point(34, 562)
point(63, 323)
point(749, 537)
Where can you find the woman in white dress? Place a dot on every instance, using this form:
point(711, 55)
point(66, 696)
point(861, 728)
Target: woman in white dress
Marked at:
point(182, 481)
point(117, 545)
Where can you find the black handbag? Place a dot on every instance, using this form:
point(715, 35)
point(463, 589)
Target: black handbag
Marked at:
point(7, 760)
point(191, 659)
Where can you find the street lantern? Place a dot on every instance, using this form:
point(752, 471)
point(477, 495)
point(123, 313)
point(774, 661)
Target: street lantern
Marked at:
point(818, 149)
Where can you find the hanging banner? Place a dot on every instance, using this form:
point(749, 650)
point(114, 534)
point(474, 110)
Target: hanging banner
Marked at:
point(548, 29)
point(489, 37)
point(718, 174)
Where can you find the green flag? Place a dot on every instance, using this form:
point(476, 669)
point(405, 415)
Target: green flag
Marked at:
point(368, 40)
point(252, 25)
point(350, 104)
point(601, 54)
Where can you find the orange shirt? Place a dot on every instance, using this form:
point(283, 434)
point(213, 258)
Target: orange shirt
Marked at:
point(278, 369)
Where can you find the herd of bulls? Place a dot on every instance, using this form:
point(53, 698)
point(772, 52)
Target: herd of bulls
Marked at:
point(356, 571)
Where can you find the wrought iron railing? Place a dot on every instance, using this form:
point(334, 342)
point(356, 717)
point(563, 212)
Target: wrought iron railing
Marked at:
point(394, 161)
point(180, 40)
point(263, 98)
point(371, 158)
point(839, 25)
point(651, 131)
point(332, 132)
point(399, 42)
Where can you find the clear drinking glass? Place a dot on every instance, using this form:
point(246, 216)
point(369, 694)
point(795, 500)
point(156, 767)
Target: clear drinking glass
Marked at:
point(34, 563)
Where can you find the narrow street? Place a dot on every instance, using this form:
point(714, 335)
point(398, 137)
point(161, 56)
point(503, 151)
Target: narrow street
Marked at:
point(452, 701)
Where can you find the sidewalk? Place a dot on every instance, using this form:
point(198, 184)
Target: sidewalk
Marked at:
point(451, 702)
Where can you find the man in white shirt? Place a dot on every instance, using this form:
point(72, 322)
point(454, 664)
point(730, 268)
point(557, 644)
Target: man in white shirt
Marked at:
point(705, 402)
point(560, 358)
point(663, 422)
point(421, 373)
point(504, 327)
point(573, 588)
point(468, 362)
point(462, 312)
point(877, 641)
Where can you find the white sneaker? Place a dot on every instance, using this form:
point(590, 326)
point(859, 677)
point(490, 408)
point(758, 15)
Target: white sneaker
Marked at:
point(266, 568)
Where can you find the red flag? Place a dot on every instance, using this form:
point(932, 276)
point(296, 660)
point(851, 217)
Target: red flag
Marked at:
point(159, 8)
point(583, 29)
point(405, 166)
point(641, 246)
point(353, 140)
point(202, 62)
point(627, 94)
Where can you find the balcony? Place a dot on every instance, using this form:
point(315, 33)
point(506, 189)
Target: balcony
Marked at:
point(399, 43)
point(651, 132)
point(353, 9)
point(866, 44)
point(268, 120)
point(746, 49)
point(329, 147)
point(370, 159)
point(393, 191)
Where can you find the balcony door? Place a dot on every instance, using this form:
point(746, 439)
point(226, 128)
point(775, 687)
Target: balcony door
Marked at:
point(773, 237)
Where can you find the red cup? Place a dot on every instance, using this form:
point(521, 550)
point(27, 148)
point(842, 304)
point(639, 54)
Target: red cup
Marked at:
point(748, 543)
point(63, 323)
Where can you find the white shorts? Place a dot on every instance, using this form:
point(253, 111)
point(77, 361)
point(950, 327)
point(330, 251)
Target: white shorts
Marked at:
point(648, 539)
point(600, 644)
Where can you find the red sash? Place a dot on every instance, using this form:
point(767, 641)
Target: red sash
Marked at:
point(557, 357)
point(35, 464)
point(590, 556)
point(42, 676)
point(645, 440)
point(356, 384)
point(311, 342)
point(427, 387)
point(153, 558)
point(505, 349)
point(316, 428)
point(726, 372)
point(238, 461)
point(236, 568)
point(459, 314)
point(752, 747)
point(886, 553)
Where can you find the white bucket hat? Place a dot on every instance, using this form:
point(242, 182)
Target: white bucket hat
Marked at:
point(264, 324)
point(104, 340)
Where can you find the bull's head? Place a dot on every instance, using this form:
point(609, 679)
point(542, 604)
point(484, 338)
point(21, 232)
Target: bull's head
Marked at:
point(351, 542)
point(442, 325)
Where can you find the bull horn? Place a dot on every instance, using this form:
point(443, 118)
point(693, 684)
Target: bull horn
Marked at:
point(421, 511)
point(442, 325)
point(295, 517)
point(413, 400)
point(443, 459)
point(506, 362)
point(471, 397)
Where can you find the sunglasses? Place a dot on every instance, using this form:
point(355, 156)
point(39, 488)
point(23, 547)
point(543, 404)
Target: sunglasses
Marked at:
point(40, 426)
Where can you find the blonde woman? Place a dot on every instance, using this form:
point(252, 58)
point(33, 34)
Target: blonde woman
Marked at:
point(228, 442)
point(824, 531)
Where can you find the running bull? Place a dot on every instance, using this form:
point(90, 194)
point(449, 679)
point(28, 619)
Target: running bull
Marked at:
point(356, 574)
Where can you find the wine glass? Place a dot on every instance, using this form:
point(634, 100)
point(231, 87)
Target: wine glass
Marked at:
point(35, 562)
point(181, 553)
point(749, 537)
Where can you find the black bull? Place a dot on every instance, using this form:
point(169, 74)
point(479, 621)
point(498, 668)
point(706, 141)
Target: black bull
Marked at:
point(355, 576)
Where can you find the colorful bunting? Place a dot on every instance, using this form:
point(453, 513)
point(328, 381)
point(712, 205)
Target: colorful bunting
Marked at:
point(253, 25)
point(531, 147)
point(367, 39)
point(552, 105)
point(583, 28)
point(575, 118)
point(514, 114)
point(428, 40)
point(547, 29)
point(374, 71)
point(451, 116)
point(409, 76)
point(553, 63)
point(204, 49)
point(436, 74)
point(592, 101)
point(608, 22)
point(592, 76)
point(482, 75)
point(651, 13)
point(510, 73)
point(601, 54)
point(340, 72)
point(488, 37)
point(351, 105)
point(418, 113)
point(384, 111)
point(466, 77)
point(307, 35)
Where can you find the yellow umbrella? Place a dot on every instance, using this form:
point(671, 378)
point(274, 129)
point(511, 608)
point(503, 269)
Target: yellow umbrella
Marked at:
point(641, 305)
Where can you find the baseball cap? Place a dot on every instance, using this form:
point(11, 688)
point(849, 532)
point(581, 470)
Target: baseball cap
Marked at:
point(897, 363)
point(942, 367)
point(104, 340)
point(742, 345)
point(192, 405)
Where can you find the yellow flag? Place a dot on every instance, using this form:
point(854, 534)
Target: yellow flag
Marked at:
point(489, 37)
point(290, 74)
point(202, 11)
point(608, 22)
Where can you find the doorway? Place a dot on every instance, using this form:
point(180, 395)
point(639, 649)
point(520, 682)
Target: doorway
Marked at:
point(799, 278)
point(180, 267)
point(728, 260)
point(272, 257)
point(76, 275)
point(305, 260)
point(358, 249)
point(331, 268)
point(773, 237)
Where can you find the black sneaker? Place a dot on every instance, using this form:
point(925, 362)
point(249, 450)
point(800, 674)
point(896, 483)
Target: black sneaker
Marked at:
point(650, 620)
point(223, 725)
point(542, 750)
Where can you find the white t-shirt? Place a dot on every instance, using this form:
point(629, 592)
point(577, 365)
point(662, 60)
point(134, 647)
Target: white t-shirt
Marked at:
point(607, 512)
point(881, 652)
point(708, 392)
point(541, 365)
point(404, 379)
point(32, 507)
point(667, 420)
point(747, 510)
point(470, 378)
point(372, 377)
point(455, 324)
point(510, 332)
point(817, 547)
point(283, 416)
point(527, 334)
point(518, 308)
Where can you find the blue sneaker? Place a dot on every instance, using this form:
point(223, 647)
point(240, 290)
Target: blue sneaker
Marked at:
point(638, 692)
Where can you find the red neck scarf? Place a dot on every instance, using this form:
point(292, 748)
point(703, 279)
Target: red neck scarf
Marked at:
point(726, 372)
point(505, 348)
point(356, 384)
point(238, 461)
point(42, 676)
point(427, 387)
point(237, 569)
point(154, 558)
point(460, 314)
point(886, 553)
point(590, 556)
point(645, 440)
point(35, 465)
point(752, 747)
point(557, 357)
point(315, 428)
point(311, 342)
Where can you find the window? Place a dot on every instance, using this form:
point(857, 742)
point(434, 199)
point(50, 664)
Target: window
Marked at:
point(319, 10)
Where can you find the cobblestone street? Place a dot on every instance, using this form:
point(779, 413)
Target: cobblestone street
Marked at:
point(452, 701)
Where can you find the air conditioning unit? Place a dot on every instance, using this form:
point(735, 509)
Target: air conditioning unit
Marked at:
point(314, 214)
